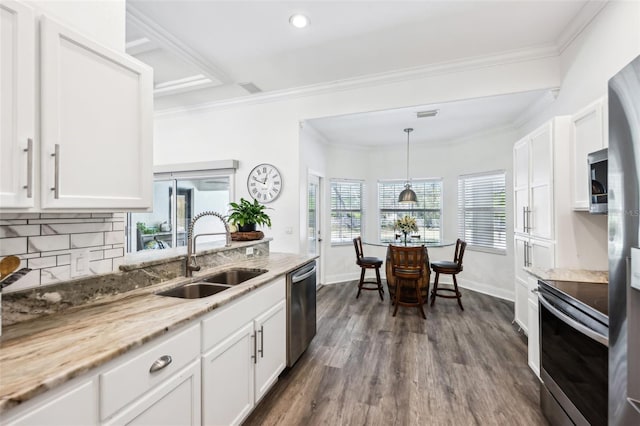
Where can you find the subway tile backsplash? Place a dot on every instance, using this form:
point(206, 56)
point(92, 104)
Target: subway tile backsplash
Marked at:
point(46, 241)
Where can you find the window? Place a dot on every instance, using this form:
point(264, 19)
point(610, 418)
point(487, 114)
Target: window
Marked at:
point(346, 211)
point(427, 211)
point(482, 211)
point(178, 197)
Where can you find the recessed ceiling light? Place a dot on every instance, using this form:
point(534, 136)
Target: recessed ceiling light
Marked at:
point(299, 20)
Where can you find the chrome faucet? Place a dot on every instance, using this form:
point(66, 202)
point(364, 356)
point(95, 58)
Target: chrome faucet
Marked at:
point(191, 241)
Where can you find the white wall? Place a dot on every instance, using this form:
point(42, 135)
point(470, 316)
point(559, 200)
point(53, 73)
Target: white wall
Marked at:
point(490, 273)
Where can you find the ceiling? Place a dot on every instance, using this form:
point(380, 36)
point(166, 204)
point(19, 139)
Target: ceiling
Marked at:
point(210, 51)
point(453, 122)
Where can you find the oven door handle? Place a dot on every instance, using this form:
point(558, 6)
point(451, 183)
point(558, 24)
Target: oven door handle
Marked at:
point(600, 338)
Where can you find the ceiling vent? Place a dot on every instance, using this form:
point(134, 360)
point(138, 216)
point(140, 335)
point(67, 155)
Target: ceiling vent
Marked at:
point(430, 113)
point(250, 87)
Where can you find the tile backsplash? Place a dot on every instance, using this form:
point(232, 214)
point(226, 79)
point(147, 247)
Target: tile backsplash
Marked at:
point(46, 241)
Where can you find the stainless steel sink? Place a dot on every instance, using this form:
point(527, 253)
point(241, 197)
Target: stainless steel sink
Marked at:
point(195, 290)
point(233, 276)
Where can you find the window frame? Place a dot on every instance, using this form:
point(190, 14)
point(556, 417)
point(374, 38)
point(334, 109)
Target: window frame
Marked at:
point(361, 183)
point(462, 179)
point(401, 183)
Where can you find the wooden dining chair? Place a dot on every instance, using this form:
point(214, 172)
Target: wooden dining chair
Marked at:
point(450, 268)
point(407, 268)
point(367, 263)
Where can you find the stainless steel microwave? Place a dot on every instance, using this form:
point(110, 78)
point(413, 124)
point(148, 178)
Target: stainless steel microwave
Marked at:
point(598, 180)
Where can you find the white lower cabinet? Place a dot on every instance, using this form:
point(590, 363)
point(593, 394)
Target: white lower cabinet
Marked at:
point(175, 401)
point(534, 337)
point(271, 356)
point(76, 404)
point(245, 351)
point(228, 380)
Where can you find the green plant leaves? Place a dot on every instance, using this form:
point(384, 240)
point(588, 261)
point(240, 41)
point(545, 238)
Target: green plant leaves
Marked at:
point(246, 213)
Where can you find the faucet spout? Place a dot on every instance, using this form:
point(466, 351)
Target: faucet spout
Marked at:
point(190, 265)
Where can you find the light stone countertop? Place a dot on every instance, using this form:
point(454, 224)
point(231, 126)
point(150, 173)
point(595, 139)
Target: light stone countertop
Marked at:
point(578, 275)
point(41, 354)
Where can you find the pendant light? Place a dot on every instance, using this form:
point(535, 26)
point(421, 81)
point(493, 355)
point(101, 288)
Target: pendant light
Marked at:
point(407, 195)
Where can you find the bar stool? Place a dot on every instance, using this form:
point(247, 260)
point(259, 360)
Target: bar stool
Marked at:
point(450, 268)
point(367, 263)
point(407, 267)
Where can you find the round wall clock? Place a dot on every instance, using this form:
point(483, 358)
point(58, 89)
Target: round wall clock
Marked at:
point(264, 183)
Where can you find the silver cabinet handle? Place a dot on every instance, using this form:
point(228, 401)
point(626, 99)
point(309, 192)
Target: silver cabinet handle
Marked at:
point(529, 227)
point(525, 254)
point(160, 363)
point(254, 356)
point(56, 172)
point(524, 219)
point(261, 331)
point(534, 290)
point(29, 151)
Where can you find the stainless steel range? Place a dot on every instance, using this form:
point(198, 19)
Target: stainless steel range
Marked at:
point(574, 353)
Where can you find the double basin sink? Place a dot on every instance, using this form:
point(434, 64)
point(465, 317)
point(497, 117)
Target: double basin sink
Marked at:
point(213, 284)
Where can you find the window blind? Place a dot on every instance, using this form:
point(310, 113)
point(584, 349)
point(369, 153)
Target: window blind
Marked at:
point(482, 210)
point(427, 211)
point(346, 210)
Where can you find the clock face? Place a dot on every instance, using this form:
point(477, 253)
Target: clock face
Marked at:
point(264, 183)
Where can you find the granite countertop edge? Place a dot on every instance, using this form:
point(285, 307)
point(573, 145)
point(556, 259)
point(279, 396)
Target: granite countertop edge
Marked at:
point(577, 275)
point(85, 337)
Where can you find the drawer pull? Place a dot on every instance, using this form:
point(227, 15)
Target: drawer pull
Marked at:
point(160, 363)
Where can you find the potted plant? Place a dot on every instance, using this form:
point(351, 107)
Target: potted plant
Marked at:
point(247, 215)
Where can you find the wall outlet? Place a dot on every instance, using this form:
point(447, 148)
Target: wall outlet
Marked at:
point(249, 251)
point(79, 263)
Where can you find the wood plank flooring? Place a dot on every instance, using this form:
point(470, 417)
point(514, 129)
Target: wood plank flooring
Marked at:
point(365, 367)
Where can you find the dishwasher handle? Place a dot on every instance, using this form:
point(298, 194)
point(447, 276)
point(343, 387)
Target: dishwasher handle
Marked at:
point(303, 275)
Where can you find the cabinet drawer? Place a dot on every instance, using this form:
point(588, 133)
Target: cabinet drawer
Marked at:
point(132, 377)
point(221, 323)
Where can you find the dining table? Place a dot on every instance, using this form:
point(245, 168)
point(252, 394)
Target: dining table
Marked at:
point(423, 282)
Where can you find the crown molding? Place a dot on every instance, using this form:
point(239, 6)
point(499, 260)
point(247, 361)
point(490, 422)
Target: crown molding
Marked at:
point(168, 41)
point(505, 58)
point(577, 26)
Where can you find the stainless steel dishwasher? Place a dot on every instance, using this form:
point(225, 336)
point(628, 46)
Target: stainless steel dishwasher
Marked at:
point(301, 310)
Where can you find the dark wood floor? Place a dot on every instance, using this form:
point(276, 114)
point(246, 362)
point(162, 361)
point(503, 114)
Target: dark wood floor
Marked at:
point(365, 367)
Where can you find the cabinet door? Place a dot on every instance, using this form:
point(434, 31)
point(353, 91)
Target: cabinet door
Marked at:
point(174, 402)
point(587, 135)
point(522, 293)
point(542, 254)
point(272, 348)
point(17, 97)
point(520, 183)
point(77, 406)
point(228, 379)
point(540, 219)
point(533, 343)
point(96, 124)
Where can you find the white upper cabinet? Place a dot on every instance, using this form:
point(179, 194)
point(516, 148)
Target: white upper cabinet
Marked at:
point(17, 103)
point(96, 124)
point(587, 135)
point(90, 148)
point(533, 183)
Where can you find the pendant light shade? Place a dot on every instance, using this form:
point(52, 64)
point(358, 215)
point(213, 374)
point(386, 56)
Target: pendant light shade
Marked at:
point(407, 195)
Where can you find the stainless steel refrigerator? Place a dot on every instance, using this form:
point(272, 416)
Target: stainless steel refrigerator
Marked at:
point(624, 246)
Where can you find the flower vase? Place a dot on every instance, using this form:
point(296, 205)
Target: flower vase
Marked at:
point(405, 238)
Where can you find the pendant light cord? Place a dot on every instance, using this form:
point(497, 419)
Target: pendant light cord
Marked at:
point(408, 130)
